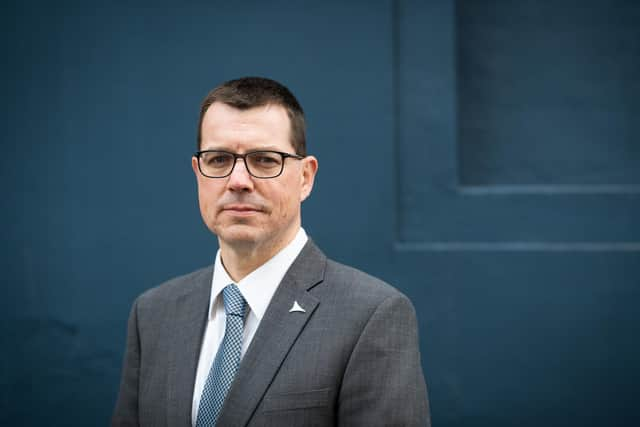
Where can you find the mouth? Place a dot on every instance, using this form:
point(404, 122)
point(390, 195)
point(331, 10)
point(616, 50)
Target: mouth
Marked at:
point(241, 209)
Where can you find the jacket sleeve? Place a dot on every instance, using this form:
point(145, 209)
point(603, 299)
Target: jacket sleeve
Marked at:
point(126, 410)
point(383, 383)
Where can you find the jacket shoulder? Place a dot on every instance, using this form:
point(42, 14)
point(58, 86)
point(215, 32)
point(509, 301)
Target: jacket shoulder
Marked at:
point(177, 286)
point(356, 283)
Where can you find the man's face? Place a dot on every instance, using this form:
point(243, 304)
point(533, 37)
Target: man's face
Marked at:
point(248, 213)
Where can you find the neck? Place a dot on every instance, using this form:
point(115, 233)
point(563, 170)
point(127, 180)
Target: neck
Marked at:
point(240, 259)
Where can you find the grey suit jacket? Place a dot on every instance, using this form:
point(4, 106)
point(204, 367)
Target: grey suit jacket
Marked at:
point(352, 359)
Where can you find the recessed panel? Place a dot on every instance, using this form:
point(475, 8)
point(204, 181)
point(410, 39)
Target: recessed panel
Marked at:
point(548, 93)
point(518, 126)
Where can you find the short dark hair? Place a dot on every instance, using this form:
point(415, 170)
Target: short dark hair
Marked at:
point(250, 92)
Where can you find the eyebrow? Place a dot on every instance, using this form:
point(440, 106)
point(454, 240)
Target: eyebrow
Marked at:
point(265, 148)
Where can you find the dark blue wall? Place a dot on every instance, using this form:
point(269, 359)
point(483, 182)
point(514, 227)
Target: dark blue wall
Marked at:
point(481, 156)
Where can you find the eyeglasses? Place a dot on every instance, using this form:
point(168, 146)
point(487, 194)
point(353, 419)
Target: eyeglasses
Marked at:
point(259, 164)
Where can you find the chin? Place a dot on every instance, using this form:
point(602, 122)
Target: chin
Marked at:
point(238, 234)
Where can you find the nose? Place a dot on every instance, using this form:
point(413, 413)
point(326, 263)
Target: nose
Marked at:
point(240, 180)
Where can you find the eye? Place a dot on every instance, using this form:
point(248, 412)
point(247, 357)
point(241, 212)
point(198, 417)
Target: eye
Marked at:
point(265, 159)
point(216, 159)
point(219, 158)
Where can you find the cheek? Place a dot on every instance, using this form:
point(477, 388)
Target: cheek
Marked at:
point(287, 204)
point(207, 201)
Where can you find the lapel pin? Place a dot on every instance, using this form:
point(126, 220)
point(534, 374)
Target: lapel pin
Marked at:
point(296, 307)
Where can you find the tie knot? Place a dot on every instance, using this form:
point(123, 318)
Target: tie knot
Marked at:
point(234, 303)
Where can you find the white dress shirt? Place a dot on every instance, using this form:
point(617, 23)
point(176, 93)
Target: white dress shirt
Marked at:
point(257, 288)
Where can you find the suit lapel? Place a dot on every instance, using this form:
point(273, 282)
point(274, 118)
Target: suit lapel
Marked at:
point(275, 336)
point(190, 314)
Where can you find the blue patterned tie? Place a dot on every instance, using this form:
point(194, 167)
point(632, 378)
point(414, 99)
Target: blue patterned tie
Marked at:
point(227, 359)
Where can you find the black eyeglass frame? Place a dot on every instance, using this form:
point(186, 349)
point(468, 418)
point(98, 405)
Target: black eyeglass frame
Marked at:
point(237, 156)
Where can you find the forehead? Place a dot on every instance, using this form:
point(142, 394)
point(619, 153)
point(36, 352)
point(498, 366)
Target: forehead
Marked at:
point(228, 127)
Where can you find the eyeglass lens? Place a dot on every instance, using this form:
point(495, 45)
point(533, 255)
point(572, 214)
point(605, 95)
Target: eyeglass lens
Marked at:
point(262, 164)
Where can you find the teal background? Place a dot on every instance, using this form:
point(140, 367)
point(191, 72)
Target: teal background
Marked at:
point(482, 156)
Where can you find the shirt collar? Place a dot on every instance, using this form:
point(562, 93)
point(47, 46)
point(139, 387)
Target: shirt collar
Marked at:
point(258, 287)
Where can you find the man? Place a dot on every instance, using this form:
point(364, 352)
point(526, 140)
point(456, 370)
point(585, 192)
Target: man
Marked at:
point(274, 333)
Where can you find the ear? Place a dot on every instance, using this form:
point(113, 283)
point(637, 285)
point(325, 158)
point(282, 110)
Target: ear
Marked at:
point(309, 170)
point(194, 166)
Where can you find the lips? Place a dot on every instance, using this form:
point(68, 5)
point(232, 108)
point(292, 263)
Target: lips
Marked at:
point(238, 207)
point(241, 208)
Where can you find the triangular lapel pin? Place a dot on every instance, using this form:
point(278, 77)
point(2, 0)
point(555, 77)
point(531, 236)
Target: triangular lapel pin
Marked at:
point(296, 307)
